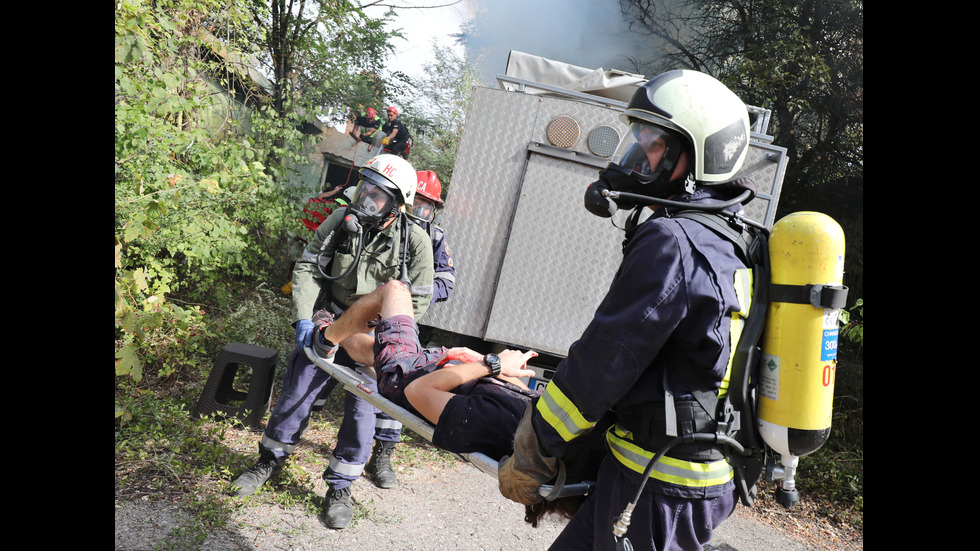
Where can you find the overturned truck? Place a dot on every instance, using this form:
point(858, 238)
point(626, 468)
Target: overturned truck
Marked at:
point(532, 264)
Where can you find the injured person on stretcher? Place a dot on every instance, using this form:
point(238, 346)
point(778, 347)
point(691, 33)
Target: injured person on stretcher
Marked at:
point(452, 388)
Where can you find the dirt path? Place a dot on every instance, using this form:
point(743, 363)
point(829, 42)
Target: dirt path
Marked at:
point(435, 507)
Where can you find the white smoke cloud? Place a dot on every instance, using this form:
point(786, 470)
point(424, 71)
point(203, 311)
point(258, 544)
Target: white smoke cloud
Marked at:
point(587, 33)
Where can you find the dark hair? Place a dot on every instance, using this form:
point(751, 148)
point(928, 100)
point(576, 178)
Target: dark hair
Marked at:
point(581, 460)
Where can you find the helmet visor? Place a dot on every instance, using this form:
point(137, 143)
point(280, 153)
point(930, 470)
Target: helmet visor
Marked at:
point(373, 200)
point(644, 148)
point(423, 209)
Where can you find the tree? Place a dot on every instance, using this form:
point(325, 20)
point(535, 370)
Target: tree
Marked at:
point(323, 57)
point(193, 202)
point(435, 110)
point(804, 60)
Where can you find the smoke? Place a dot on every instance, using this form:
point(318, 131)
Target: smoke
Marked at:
point(587, 33)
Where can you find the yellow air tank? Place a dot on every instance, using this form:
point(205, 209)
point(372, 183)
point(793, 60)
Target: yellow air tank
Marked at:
point(799, 346)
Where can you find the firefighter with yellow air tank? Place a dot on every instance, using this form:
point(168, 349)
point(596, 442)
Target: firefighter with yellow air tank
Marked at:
point(664, 347)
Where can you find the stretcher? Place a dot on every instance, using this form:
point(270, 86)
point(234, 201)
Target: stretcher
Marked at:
point(359, 384)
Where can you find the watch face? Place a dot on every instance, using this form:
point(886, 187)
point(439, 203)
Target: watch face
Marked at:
point(493, 362)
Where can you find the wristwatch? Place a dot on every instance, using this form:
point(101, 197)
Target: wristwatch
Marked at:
point(493, 362)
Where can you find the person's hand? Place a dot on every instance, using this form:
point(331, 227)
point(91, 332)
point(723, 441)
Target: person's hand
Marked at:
point(385, 140)
point(513, 363)
point(304, 332)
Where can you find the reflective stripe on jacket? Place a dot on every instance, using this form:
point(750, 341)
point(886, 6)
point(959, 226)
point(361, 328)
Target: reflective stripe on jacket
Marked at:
point(669, 316)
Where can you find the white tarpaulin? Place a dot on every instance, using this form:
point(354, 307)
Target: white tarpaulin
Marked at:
point(611, 83)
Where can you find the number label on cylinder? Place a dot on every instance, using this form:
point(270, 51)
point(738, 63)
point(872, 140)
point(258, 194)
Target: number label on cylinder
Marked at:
point(828, 374)
point(828, 343)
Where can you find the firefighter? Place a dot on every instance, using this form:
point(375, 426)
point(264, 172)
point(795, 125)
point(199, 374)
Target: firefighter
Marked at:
point(366, 126)
point(428, 201)
point(361, 247)
point(661, 339)
point(397, 138)
point(425, 205)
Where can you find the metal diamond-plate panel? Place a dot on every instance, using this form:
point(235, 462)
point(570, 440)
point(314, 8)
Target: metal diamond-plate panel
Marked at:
point(765, 165)
point(560, 260)
point(480, 204)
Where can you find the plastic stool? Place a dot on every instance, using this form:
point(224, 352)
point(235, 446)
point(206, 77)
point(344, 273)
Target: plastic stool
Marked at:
point(219, 394)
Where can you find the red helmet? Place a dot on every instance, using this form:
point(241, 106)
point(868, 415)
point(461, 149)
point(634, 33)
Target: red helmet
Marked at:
point(371, 112)
point(429, 188)
point(393, 109)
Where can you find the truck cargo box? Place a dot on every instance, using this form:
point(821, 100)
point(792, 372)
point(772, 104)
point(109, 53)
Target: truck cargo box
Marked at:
point(532, 264)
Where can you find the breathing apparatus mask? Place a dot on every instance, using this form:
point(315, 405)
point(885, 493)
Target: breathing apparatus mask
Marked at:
point(422, 209)
point(640, 170)
point(373, 204)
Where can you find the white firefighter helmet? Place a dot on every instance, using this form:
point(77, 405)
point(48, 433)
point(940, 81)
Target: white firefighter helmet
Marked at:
point(394, 173)
point(704, 111)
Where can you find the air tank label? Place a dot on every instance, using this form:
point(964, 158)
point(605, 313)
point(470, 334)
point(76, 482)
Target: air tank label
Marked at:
point(828, 343)
point(769, 377)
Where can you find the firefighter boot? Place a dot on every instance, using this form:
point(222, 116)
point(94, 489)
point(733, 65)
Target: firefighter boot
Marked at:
point(337, 508)
point(250, 481)
point(380, 464)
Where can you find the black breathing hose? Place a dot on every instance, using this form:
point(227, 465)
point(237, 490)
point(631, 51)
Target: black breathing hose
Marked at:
point(406, 231)
point(352, 227)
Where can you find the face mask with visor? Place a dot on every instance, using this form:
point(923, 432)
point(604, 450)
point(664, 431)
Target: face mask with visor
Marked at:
point(422, 209)
point(373, 202)
point(643, 164)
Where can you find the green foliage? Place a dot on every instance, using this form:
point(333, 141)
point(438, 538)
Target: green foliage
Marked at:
point(435, 111)
point(162, 449)
point(194, 203)
point(853, 329)
point(204, 155)
point(835, 472)
point(323, 57)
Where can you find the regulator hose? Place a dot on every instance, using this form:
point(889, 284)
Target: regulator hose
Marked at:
point(351, 226)
point(406, 233)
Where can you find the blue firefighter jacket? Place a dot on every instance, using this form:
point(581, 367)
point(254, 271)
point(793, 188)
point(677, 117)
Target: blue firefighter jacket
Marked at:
point(445, 272)
point(670, 307)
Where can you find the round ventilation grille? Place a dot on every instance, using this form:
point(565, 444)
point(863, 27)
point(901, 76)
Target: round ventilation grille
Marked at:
point(603, 141)
point(563, 132)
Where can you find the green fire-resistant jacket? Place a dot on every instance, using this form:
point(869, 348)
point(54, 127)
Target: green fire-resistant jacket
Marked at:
point(380, 262)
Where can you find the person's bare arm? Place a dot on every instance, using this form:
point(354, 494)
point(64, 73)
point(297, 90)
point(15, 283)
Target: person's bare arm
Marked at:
point(430, 393)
